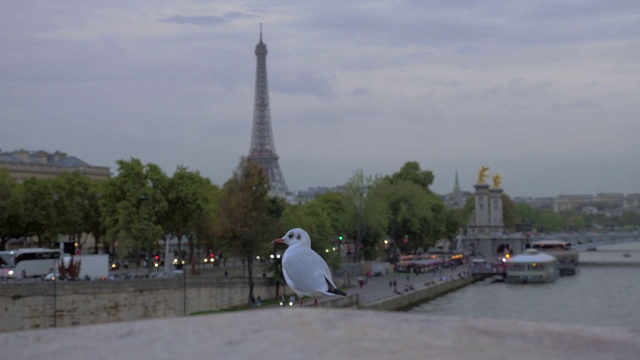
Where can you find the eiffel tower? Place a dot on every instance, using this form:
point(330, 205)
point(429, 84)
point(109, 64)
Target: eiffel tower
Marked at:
point(262, 150)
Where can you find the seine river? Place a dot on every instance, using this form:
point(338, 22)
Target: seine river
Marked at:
point(597, 295)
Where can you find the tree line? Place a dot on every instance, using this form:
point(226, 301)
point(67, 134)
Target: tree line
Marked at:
point(131, 211)
point(128, 213)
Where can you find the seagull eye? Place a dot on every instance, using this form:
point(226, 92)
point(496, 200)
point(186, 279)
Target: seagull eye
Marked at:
point(290, 236)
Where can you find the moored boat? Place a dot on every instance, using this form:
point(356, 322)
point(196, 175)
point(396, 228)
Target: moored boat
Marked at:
point(561, 250)
point(532, 266)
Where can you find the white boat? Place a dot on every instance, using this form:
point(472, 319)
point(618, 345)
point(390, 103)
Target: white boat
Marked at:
point(532, 266)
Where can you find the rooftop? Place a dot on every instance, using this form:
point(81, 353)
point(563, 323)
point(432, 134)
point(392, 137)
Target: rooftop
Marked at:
point(41, 157)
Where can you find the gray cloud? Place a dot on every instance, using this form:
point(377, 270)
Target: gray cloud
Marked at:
point(453, 85)
point(305, 83)
point(206, 20)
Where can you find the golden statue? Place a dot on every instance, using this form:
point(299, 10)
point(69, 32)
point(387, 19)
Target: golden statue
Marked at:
point(497, 180)
point(482, 174)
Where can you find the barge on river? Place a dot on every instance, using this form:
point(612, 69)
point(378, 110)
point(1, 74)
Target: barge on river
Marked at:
point(532, 266)
point(561, 250)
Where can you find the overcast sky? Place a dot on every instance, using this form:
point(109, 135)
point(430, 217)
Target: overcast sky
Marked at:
point(546, 93)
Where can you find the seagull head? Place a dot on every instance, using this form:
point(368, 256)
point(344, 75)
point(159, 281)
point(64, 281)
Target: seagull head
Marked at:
point(294, 237)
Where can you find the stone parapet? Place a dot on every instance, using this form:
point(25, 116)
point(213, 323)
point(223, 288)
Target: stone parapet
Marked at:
point(43, 305)
point(313, 333)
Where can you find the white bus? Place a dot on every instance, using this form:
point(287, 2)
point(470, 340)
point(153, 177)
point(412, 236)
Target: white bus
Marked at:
point(21, 263)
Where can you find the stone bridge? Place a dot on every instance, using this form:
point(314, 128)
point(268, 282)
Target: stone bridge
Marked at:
point(589, 241)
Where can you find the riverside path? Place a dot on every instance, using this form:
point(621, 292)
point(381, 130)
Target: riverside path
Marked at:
point(377, 288)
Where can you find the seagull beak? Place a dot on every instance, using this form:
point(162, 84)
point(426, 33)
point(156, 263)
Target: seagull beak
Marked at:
point(278, 241)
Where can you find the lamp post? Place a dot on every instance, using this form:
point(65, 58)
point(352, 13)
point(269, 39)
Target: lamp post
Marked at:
point(55, 280)
point(149, 184)
point(55, 294)
point(148, 241)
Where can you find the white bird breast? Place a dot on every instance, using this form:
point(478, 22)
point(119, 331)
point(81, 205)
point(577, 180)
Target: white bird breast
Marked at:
point(305, 271)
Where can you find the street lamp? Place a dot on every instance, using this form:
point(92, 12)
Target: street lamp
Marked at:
point(150, 184)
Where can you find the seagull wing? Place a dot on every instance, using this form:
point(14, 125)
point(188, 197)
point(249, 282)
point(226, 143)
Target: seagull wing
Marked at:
point(307, 272)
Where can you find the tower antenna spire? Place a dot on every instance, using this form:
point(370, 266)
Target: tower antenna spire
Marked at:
point(260, 32)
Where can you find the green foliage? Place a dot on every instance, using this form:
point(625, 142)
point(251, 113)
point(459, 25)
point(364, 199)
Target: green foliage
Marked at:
point(452, 223)
point(245, 223)
point(509, 214)
point(132, 204)
point(74, 199)
point(11, 205)
point(366, 213)
point(411, 172)
point(549, 221)
point(466, 213)
point(40, 218)
point(335, 205)
point(525, 213)
point(410, 210)
point(576, 222)
point(187, 205)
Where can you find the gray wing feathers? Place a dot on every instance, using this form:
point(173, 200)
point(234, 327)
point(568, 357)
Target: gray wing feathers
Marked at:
point(307, 272)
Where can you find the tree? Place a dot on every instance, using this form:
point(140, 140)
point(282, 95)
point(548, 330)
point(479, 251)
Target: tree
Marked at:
point(93, 214)
point(411, 172)
point(549, 221)
point(416, 217)
point(11, 215)
point(525, 214)
point(204, 223)
point(335, 205)
point(74, 199)
point(576, 222)
point(244, 221)
point(509, 214)
point(39, 200)
point(452, 223)
point(132, 203)
point(365, 209)
point(629, 218)
point(187, 204)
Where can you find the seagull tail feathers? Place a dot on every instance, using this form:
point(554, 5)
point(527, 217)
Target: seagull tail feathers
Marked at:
point(333, 289)
point(338, 292)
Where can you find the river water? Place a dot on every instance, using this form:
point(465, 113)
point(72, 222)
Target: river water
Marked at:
point(597, 295)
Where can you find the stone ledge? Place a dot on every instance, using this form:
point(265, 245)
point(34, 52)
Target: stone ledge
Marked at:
point(308, 333)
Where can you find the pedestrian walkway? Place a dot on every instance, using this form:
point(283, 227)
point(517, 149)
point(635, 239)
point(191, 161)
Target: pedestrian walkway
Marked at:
point(377, 288)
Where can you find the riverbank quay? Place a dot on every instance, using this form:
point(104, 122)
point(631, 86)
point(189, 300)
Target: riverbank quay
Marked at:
point(412, 298)
point(380, 293)
point(295, 333)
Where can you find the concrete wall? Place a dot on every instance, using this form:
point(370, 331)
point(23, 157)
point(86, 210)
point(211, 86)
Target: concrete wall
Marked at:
point(31, 306)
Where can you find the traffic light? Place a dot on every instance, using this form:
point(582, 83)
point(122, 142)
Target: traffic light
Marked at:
point(340, 237)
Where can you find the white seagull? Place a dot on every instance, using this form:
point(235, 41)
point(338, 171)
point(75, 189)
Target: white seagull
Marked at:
point(304, 270)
